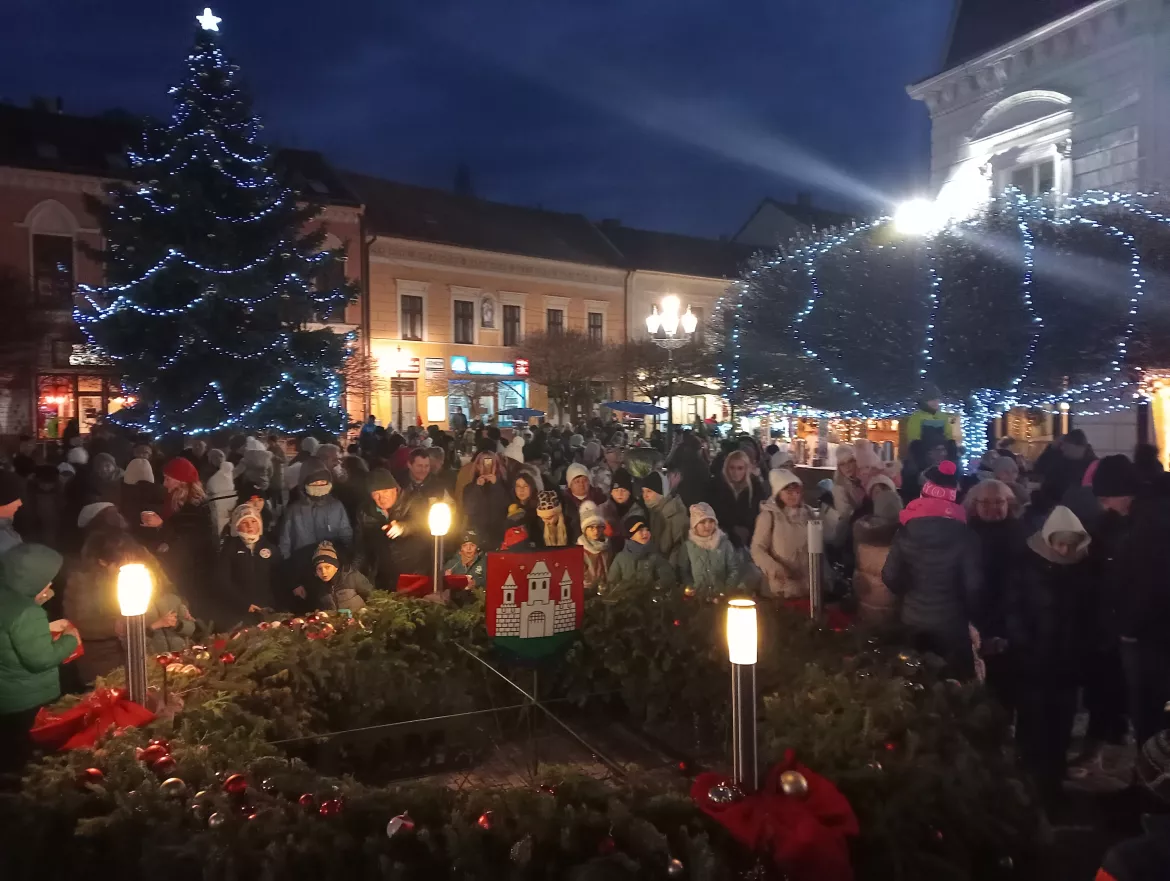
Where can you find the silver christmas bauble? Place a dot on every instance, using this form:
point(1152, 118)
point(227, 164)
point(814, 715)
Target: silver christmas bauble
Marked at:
point(794, 783)
point(724, 794)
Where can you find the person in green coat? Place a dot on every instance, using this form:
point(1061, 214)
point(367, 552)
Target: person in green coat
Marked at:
point(669, 522)
point(29, 657)
point(639, 564)
point(708, 562)
point(469, 561)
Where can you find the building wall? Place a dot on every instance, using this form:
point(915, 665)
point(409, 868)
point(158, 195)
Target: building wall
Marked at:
point(440, 274)
point(1109, 60)
point(54, 202)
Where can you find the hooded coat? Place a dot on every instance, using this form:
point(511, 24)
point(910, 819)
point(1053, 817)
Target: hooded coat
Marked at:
point(253, 473)
point(29, 656)
point(669, 525)
point(640, 566)
point(311, 520)
point(711, 571)
point(780, 548)
point(485, 507)
point(1051, 616)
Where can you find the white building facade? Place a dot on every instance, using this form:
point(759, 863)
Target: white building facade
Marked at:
point(1072, 102)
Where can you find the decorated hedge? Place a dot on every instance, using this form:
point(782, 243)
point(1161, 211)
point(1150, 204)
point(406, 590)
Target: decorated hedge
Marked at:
point(236, 789)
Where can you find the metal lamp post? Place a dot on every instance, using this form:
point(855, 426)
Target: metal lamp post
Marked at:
point(742, 641)
point(439, 520)
point(668, 320)
point(134, 590)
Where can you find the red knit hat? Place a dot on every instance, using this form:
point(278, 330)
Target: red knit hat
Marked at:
point(182, 470)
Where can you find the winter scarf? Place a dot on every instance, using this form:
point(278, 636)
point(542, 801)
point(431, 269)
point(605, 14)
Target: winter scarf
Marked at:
point(594, 547)
point(638, 551)
point(700, 512)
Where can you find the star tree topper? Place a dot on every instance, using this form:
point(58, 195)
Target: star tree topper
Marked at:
point(209, 21)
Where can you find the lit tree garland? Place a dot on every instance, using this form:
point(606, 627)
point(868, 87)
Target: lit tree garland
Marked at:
point(211, 276)
point(1027, 304)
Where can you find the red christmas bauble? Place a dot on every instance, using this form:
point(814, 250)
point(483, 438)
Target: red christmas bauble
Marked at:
point(158, 741)
point(91, 775)
point(236, 784)
point(485, 820)
point(331, 807)
point(164, 659)
point(164, 767)
point(677, 623)
point(227, 658)
point(153, 753)
point(891, 746)
point(607, 846)
point(307, 801)
point(263, 625)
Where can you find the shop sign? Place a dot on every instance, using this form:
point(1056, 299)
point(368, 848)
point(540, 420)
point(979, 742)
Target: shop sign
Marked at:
point(460, 364)
point(434, 367)
point(521, 366)
point(408, 366)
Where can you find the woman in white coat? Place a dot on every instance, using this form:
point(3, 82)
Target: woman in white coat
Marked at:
point(780, 540)
point(221, 491)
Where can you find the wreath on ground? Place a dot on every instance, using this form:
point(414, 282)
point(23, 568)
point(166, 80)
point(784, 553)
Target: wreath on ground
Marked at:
point(240, 783)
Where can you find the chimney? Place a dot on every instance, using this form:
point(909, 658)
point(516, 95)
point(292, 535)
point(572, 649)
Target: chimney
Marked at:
point(804, 199)
point(47, 105)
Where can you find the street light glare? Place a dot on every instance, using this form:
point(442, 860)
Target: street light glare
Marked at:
point(690, 322)
point(918, 217)
point(653, 321)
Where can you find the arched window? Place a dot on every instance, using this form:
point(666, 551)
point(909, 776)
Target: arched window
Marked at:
point(52, 231)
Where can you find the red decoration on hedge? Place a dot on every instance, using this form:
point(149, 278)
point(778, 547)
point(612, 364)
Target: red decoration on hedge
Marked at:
point(420, 585)
point(82, 725)
point(806, 837)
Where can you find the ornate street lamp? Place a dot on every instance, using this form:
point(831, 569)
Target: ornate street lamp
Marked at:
point(668, 320)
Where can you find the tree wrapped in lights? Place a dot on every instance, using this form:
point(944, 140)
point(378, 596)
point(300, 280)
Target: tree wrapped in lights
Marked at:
point(211, 276)
point(1026, 304)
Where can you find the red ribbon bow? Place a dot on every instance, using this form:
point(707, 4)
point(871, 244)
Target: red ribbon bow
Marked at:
point(806, 835)
point(81, 725)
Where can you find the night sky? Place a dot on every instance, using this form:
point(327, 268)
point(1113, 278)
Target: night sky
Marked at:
point(676, 115)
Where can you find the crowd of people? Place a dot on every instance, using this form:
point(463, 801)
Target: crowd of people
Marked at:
point(1048, 577)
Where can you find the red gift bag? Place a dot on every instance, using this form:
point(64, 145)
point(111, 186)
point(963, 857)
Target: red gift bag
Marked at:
point(80, 726)
point(57, 628)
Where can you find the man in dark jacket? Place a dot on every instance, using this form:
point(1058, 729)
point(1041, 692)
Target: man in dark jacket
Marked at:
point(393, 535)
point(1064, 471)
point(934, 566)
point(248, 566)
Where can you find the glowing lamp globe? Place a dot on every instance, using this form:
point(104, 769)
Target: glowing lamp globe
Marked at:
point(690, 322)
point(134, 589)
point(653, 321)
point(741, 632)
point(440, 518)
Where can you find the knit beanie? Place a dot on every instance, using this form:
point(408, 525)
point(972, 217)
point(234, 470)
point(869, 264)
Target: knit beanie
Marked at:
point(701, 511)
point(309, 445)
point(77, 456)
point(574, 471)
point(846, 453)
point(470, 536)
point(590, 515)
point(577, 442)
point(634, 522)
point(326, 553)
point(88, 512)
point(656, 482)
point(66, 470)
point(548, 500)
point(1115, 476)
point(880, 480)
point(780, 478)
point(622, 479)
point(138, 470)
point(381, 479)
point(182, 470)
point(12, 487)
point(244, 512)
point(942, 482)
point(1153, 764)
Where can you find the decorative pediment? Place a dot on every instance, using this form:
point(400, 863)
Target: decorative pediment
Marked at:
point(1020, 109)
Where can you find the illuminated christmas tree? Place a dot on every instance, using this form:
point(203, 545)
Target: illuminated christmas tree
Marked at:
point(212, 274)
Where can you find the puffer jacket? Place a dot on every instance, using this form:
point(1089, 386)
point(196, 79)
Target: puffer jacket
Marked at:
point(780, 548)
point(934, 567)
point(29, 656)
point(649, 569)
point(349, 589)
point(711, 571)
point(669, 525)
point(477, 571)
point(737, 511)
point(311, 520)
